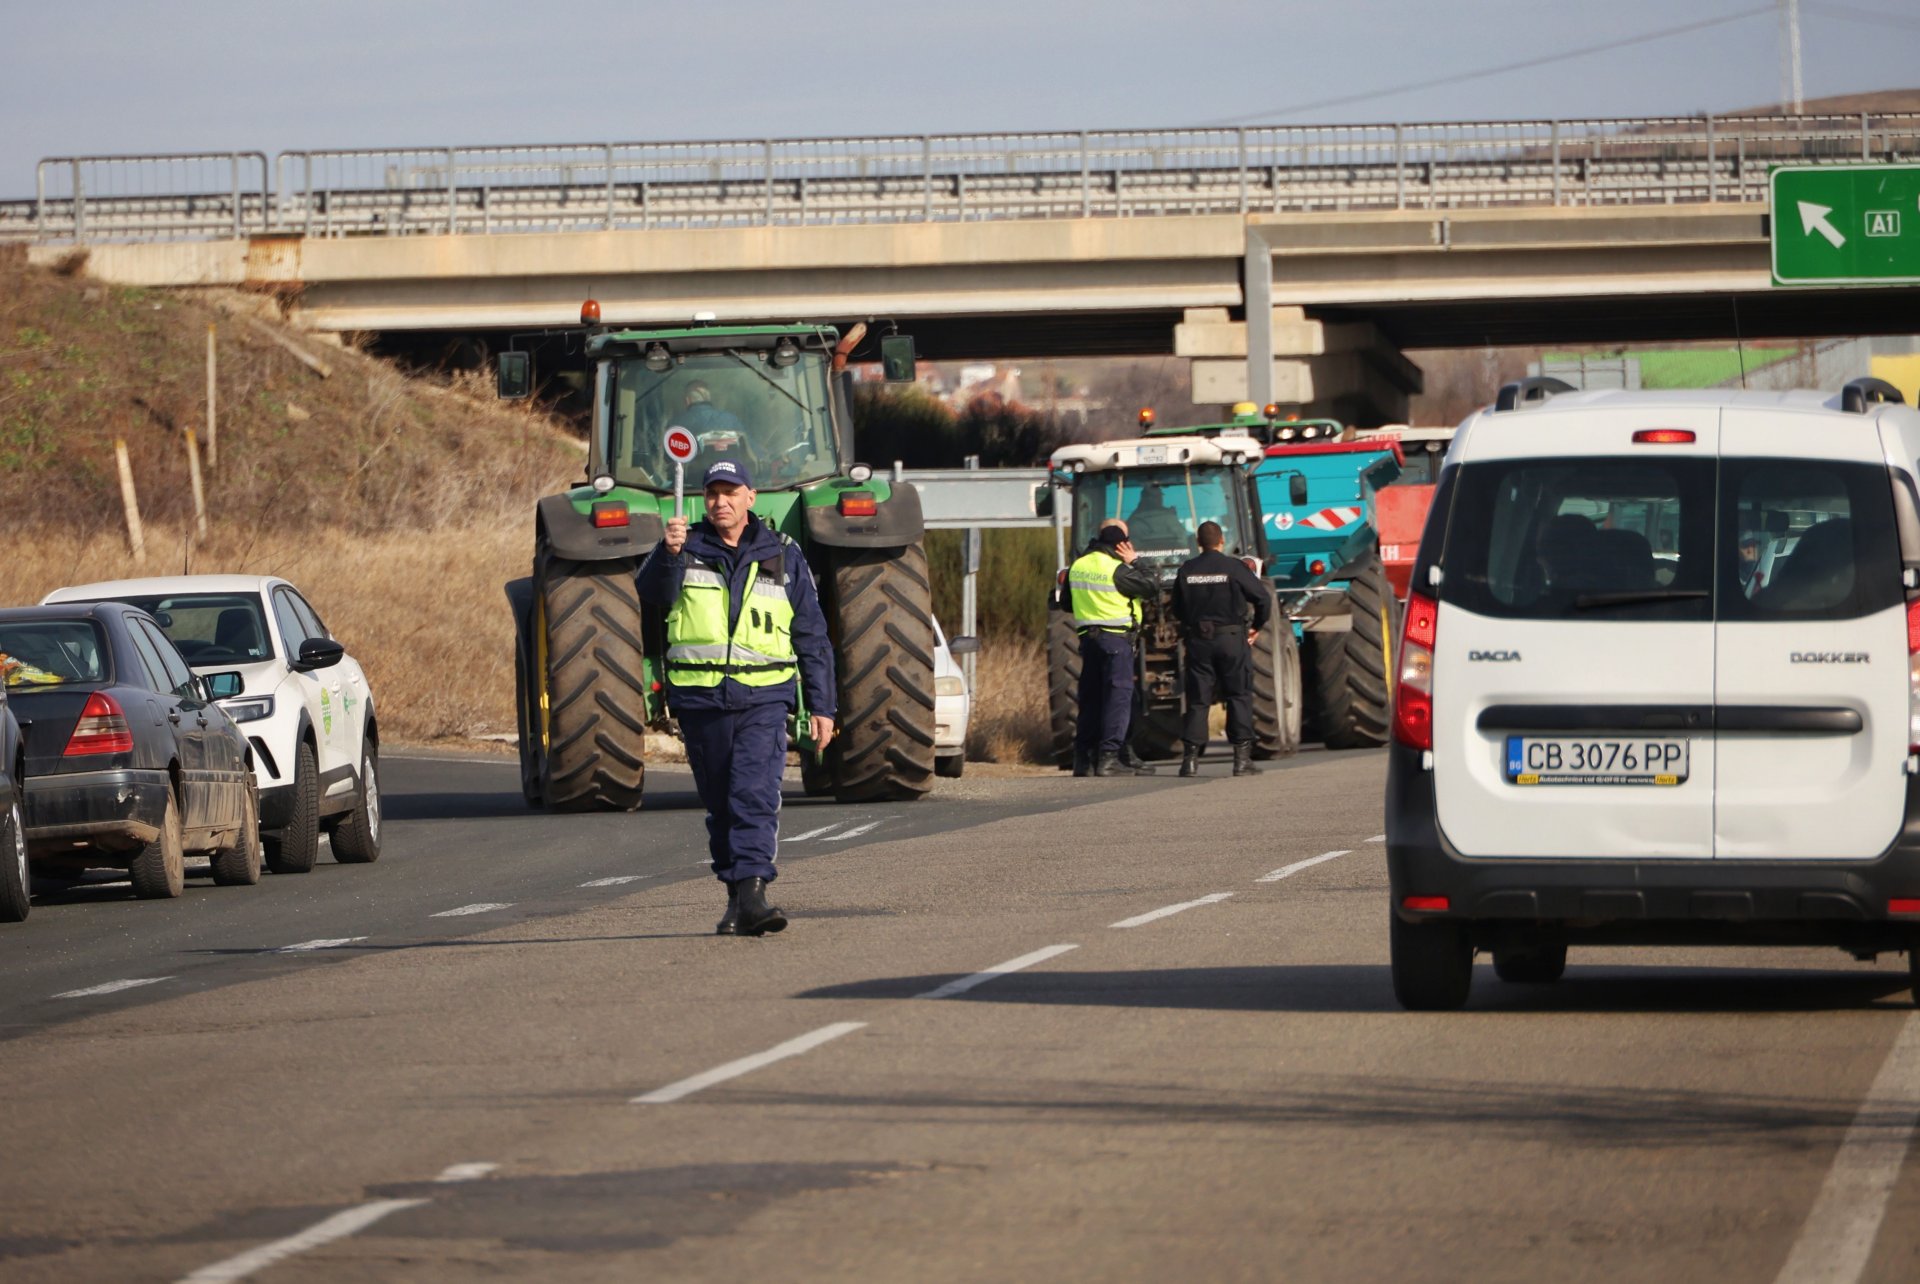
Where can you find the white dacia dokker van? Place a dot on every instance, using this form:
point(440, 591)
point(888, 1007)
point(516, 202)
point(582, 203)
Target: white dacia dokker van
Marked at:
point(1660, 683)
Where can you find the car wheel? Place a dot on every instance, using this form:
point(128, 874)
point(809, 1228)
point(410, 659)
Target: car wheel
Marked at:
point(1432, 965)
point(1534, 965)
point(356, 839)
point(950, 766)
point(160, 870)
point(15, 888)
point(292, 850)
point(239, 865)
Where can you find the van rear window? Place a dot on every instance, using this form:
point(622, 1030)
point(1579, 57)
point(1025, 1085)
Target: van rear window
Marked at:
point(1676, 539)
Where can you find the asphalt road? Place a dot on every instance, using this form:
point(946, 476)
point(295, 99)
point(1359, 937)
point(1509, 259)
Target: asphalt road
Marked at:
point(1189, 1064)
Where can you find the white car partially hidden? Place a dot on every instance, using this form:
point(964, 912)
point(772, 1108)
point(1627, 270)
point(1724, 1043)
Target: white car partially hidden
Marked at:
point(952, 703)
point(303, 702)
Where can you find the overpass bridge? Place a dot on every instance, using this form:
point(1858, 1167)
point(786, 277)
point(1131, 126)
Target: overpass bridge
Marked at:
point(1331, 247)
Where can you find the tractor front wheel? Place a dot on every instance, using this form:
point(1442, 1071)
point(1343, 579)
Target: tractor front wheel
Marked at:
point(880, 611)
point(1353, 670)
point(1063, 686)
point(1277, 696)
point(585, 717)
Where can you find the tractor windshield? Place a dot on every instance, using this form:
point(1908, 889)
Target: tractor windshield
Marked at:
point(737, 404)
point(1163, 508)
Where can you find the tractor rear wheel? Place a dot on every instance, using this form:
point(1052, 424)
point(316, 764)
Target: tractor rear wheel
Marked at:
point(1063, 686)
point(588, 710)
point(1353, 670)
point(880, 612)
point(1276, 688)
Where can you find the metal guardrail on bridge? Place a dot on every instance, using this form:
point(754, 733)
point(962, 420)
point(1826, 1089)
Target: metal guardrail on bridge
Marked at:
point(939, 178)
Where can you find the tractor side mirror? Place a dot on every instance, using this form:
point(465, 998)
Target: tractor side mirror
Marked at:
point(1297, 490)
point(963, 646)
point(897, 360)
point(513, 376)
point(1043, 500)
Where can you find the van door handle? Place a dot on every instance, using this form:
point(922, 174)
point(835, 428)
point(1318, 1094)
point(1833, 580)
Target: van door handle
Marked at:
point(1791, 719)
point(1596, 717)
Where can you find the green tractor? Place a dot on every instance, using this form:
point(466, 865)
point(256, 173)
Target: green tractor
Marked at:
point(589, 676)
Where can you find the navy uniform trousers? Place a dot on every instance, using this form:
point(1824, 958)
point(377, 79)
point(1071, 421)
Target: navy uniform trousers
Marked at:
point(1106, 692)
point(737, 756)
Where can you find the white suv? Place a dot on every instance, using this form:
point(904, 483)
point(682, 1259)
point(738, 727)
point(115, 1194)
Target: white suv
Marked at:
point(1660, 683)
point(302, 701)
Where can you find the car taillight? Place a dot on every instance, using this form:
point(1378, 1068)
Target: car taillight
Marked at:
point(1664, 437)
point(1426, 904)
point(612, 512)
point(102, 728)
point(1913, 676)
point(858, 503)
point(1413, 701)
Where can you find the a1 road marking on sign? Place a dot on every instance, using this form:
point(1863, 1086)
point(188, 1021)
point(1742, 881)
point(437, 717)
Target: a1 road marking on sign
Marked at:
point(680, 444)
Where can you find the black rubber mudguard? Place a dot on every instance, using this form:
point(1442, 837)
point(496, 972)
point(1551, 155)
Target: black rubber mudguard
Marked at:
point(897, 523)
point(574, 537)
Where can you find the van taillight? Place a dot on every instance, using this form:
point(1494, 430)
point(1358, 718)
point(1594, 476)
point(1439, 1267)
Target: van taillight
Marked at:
point(102, 728)
point(1413, 701)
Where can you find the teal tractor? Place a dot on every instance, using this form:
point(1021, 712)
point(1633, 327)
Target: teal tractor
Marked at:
point(1164, 488)
point(589, 676)
point(1316, 492)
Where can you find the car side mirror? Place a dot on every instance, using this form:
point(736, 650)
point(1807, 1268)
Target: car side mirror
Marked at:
point(963, 646)
point(318, 653)
point(897, 360)
point(513, 376)
point(223, 686)
point(1296, 490)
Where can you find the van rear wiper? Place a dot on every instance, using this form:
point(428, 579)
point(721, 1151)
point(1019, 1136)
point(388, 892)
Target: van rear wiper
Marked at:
point(1599, 601)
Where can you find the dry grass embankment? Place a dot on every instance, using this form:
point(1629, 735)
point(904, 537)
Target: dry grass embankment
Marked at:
point(1009, 717)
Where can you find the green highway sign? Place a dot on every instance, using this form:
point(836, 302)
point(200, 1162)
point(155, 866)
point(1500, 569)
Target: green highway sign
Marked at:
point(1846, 224)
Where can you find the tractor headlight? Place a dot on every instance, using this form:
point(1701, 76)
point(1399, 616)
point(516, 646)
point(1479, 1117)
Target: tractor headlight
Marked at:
point(250, 709)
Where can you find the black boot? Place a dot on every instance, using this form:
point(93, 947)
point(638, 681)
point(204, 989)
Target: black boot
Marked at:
point(729, 924)
point(1082, 765)
point(1243, 761)
point(1108, 764)
point(1134, 762)
point(756, 916)
point(1190, 761)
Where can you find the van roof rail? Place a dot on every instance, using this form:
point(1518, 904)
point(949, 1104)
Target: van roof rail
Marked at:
point(1522, 392)
point(1864, 392)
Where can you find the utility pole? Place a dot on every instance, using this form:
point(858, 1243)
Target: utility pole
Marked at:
point(1790, 94)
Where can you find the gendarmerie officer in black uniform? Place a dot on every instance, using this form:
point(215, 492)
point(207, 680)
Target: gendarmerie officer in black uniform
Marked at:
point(1211, 595)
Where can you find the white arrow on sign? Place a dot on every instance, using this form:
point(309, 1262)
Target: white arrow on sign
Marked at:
point(1813, 218)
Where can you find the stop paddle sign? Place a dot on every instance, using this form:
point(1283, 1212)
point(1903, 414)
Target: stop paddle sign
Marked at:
point(681, 446)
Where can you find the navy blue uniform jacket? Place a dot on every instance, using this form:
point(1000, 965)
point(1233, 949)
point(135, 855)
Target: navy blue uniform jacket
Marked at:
point(659, 583)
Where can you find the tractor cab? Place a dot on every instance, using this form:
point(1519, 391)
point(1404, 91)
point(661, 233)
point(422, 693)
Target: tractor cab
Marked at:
point(1164, 488)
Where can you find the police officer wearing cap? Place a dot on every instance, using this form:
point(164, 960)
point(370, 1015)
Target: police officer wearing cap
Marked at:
point(743, 627)
point(1211, 595)
point(1104, 589)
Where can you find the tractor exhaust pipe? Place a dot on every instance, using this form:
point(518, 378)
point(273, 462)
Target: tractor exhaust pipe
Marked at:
point(848, 342)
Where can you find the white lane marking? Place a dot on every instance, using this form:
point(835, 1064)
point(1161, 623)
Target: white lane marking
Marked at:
point(1838, 1236)
point(113, 987)
point(1168, 910)
point(325, 943)
point(966, 983)
point(1288, 871)
point(746, 1065)
point(465, 1172)
point(1378, 838)
point(855, 832)
point(814, 833)
point(617, 880)
point(480, 908)
point(338, 1226)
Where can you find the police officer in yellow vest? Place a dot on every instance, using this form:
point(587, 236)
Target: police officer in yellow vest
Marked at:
point(744, 626)
point(1104, 590)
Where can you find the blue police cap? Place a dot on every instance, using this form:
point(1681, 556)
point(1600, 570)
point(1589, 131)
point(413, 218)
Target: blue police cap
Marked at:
point(731, 471)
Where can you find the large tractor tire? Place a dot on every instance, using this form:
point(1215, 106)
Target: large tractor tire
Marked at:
point(880, 611)
point(1353, 670)
point(1277, 697)
point(1063, 686)
point(584, 704)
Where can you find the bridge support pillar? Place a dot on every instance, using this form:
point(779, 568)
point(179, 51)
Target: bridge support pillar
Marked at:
point(1347, 371)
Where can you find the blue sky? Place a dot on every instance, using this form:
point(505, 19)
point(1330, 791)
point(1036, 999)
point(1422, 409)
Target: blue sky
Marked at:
point(119, 76)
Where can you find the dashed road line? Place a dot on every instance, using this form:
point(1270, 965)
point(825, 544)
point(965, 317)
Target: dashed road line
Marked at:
point(113, 987)
point(966, 983)
point(746, 1065)
point(855, 832)
point(1166, 911)
point(1378, 838)
point(1836, 1241)
point(464, 1172)
point(1288, 871)
point(814, 833)
point(339, 1226)
point(482, 907)
point(325, 943)
point(617, 880)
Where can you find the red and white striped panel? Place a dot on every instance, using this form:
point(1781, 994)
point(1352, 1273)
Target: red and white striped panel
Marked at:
point(1331, 519)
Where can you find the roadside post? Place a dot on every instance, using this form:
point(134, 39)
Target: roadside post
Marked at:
point(681, 448)
point(130, 504)
point(970, 593)
point(1845, 224)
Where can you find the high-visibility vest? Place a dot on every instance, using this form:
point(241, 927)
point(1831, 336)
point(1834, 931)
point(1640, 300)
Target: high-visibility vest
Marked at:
point(759, 650)
point(1096, 602)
